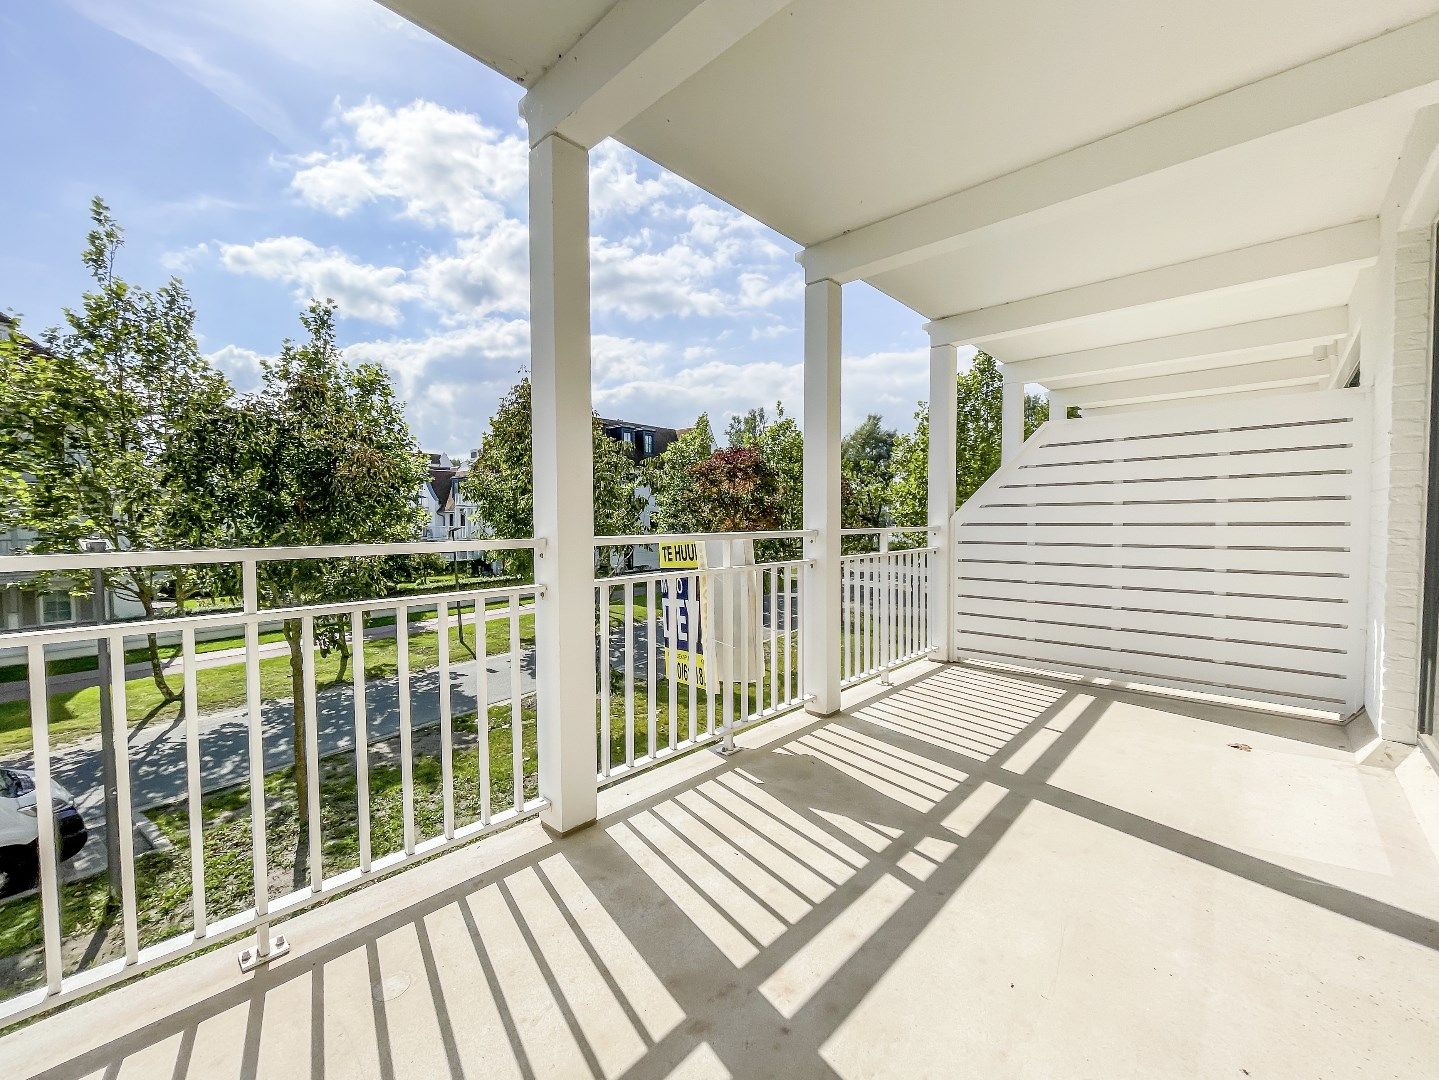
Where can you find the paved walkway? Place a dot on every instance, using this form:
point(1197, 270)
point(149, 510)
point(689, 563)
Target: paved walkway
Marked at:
point(68, 681)
point(157, 753)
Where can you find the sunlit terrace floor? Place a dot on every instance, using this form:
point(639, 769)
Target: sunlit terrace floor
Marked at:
point(973, 874)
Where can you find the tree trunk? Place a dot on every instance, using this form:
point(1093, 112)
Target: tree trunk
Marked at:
point(344, 648)
point(146, 596)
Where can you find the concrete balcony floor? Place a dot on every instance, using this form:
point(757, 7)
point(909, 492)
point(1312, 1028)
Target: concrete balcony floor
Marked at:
point(972, 874)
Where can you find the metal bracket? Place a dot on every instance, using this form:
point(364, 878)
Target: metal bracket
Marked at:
point(723, 751)
point(252, 958)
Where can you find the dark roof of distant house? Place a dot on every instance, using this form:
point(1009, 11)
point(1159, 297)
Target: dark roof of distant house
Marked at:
point(606, 422)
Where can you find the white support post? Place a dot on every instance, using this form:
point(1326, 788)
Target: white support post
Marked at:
point(1011, 416)
point(821, 495)
point(943, 370)
point(563, 486)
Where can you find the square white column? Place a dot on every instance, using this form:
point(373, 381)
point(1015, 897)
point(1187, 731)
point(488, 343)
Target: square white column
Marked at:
point(1011, 417)
point(943, 370)
point(821, 623)
point(563, 483)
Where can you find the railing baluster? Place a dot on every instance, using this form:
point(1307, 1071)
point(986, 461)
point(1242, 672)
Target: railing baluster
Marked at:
point(744, 587)
point(671, 615)
point(788, 605)
point(731, 648)
point(517, 719)
point(259, 855)
point(447, 738)
point(362, 736)
point(772, 610)
point(602, 604)
point(627, 593)
point(482, 702)
point(651, 710)
point(194, 794)
point(693, 630)
point(311, 794)
point(45, 821)
point(125, 829)
point(407, 736)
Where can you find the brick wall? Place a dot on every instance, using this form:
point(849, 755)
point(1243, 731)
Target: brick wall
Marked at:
point(1397, 361)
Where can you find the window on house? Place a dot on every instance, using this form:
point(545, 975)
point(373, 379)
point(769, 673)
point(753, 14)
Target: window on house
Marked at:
point(57, 607)
point(647, 442)
point(627, 436)
point(462, 519)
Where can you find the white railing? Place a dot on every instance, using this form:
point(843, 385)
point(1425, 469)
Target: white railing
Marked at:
point(885, 616)
point(685, 657)
point(496, 762)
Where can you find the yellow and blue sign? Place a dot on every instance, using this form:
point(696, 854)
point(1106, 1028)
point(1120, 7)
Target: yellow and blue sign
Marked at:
point(682, 622)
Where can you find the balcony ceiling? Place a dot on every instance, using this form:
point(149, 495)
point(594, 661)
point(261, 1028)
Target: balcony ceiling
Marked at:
point(828, 116)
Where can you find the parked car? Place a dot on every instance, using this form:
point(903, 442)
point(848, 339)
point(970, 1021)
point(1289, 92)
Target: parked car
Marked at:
point(20, 829)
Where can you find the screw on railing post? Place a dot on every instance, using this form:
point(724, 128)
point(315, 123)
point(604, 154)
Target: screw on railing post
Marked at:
point(106, 673)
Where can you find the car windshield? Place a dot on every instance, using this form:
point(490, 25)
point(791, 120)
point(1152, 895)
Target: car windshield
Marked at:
point(13, 784)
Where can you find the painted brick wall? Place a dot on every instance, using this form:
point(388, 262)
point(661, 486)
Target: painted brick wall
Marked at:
point(1399, 363)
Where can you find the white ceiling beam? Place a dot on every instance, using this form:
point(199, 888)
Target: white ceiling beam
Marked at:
point(1225, 345)
point(1272, 374)
point(1394, 63)
point(637, 53)
point(1354, 245)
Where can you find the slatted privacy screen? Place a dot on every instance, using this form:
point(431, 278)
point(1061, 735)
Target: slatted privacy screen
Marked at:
point(1200, 548)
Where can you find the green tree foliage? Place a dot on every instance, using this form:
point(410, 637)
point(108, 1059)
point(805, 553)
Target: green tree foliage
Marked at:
point(736, 491)
point(98, 414)
point(866, 473)
point(501, 486)
point(980, 396)
point(320, 454)
point(670, 479)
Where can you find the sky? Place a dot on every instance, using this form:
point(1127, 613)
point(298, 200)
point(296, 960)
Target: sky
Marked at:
point(268, 151)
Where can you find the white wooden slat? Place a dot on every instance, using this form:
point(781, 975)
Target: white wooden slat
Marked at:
point(1078, 467)
point(1233, 442)
point(1188, 575)
point(1183, 644)
point(1092, 666)
point(1197, 484)
point(1201, 675)
point(1323, 559)
point(1129, 612)
point(1174, 513)
point(1234, 605)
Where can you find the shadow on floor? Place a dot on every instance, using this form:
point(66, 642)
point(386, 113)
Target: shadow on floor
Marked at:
point(734, 925)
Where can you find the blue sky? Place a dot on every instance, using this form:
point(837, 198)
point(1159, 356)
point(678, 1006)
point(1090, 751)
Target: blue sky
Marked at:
point(270, 150)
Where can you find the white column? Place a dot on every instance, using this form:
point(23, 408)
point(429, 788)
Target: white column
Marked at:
point(564, 489)
point(1011, 417)
point(943, 369)
point(821, 623)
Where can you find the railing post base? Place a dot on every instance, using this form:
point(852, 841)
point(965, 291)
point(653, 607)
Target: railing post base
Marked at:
point(266, 949)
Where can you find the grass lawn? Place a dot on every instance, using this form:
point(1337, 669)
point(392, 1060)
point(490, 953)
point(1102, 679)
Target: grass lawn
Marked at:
point(163, 877)
point(76, 713)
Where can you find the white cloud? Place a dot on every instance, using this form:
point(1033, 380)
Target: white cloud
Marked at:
point(240, 365)
point(617, 187)
point(482, 275)
point(445, 168)
point(363, 291)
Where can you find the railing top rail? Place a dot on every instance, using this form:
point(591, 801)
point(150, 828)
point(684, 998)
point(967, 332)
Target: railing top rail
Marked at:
point(643, 539)
point(15, 639)
point(209, 556)
point(889, 529)
point(644, 577)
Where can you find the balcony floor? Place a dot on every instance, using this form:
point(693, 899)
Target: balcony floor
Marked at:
point(974, 874)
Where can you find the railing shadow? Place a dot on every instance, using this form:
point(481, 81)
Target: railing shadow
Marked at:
point(731, 923)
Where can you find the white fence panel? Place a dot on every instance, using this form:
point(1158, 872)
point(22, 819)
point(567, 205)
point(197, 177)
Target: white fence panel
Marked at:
point(1185, 548)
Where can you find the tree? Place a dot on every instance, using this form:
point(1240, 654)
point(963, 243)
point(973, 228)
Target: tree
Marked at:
point(780, 444)
point(671, 482)
point(501, 479)
point(735, 491)
point(979, 410)
point(320, 454)
point(107, 401)
point(865, 474)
